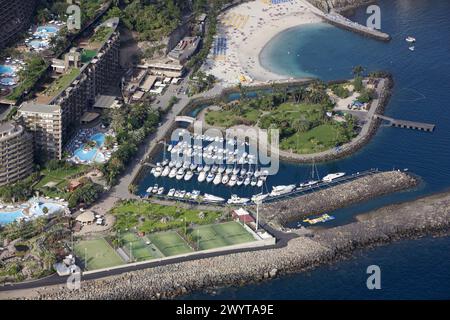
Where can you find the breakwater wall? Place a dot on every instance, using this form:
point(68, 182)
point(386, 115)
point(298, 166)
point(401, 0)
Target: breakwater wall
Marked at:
point(339, 196)
point(430, 216)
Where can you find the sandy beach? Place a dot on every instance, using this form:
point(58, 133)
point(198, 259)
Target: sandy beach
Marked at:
point(248, 28)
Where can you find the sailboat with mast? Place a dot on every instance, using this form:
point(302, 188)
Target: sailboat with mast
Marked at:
point(312, 182)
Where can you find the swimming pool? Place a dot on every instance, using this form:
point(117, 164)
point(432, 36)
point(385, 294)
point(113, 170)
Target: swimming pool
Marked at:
point(10, 217)
point(92, 154)
point(37, 208)
point(5, 70)
point(99, 138)
point(37, 44)
point(47, 29)
point(85, 155)
point(8, 81)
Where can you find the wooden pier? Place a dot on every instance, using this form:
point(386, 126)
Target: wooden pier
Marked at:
point(407, 124)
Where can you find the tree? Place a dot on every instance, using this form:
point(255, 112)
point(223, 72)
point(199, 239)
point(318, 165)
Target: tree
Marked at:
point(358, 70)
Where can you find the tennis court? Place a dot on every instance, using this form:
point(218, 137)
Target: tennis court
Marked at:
point(169, 243)
point(221, 235)
point(137, 249)
point(98, 253)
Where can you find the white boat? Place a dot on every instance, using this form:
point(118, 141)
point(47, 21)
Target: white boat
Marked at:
point(178, 165)
point(308, 184)
point(186, 165)
point(333, 176)
point(171, 164)
point(158, 172)
point(213, 199)
point(149, 189)
point(200, 168)
point(201, 176)
point(164, 163)
point(410, 39)
point(155, 188)
point(215, 168)
point(206, 168)
point(225, 179)
point(229, 170)
point(237, 200)
point(160, 191)
point(217, 179)
point(210, 177)
point(180, 174)
point(188, 175)
point(233, 181)
point(259, 197)
point(173, 173)
point(240, 181)
point(412, 48)
point(247, 181)
point(193, 166)
point(243, 171)
point(171, 192)
point(260, 183)
point(280, 190)
point(169, 148)
point(165, 172)
point(195, 194)
point(254, 181)
point(182, 194)
point(236, 170)
point(221, 168)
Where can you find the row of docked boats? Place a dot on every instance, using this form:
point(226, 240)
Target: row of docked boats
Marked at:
point(216, 174)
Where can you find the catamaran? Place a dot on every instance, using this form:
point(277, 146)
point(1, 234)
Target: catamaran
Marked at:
point(332, 176)
point(173, 173)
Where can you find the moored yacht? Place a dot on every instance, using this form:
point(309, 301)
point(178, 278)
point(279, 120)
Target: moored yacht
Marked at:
point(158, 172)
point(188, 175)
point(201, 176)
point(212, 198)
point(173, 173)
point(240, 181)
point(165, 172)
point(332, 176)
point(180, 174)
point(258, 198)
point(225, 179)
point(171, 192)
point(235, 199)
point(233, 180)
point(210, 177)
point(410, 39)
point(280, 190)
point(217, 179)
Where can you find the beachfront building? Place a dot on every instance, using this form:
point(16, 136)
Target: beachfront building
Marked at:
point(85, 73)
point(16, 153)
point(15, 17)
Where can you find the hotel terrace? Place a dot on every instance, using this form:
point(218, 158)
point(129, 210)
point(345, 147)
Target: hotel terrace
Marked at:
point(85, 73)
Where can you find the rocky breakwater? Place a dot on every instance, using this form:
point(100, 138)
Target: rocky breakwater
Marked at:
point(336, 197)
point(328, 5)
point(427, 216)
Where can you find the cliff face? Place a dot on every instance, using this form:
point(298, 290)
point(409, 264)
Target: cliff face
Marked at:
point(327, 5)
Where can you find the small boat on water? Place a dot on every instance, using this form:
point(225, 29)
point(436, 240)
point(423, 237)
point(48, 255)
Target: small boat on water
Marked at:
point(240, 181)
point(193, 166)
point(260, 183)
point(171, 164)
point(225, 179)
point(178, 164)
point(164, 163)
point(229, 170)
point(206, 168)
point(412, 48)
point(253, 181)
point(155, 189)
point(160, 191)
point(173, 173)
point(233, 181)
point(217, 179)
point(212, 198)
point(237, 200)
point(332, 176)
point(180, 174)
point(171, 192)
point(188, 175)
point(165, 172)
point(280, 190)
point(247, 181)
point(195, 194)
point(149, 189)
point(308, 184)
point(236, 170)
point(210, 177)
point(258, 198)
point(201, 176)
point(221, 168)
point(321, 219)
point(410, 39)
point(182, 194)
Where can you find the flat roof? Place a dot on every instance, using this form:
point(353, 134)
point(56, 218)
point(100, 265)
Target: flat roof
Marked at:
point(104, 101)
point(148, 83)
point(37, 107)
point(6, 127)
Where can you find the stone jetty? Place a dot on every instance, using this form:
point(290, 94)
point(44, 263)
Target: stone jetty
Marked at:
point(336, 197)
point(426, 216)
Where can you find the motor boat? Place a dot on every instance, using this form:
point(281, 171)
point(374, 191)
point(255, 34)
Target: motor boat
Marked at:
point(225, 179)
point(217, 179)
point(410, 39)
point(280, 190)
point(201, 176)
point(164, 163)
point(171, 164)
point(193, 166)
point(412, 48)
point(180, 174)
point(173, 173)
point(308, 184)
point(237, 200)
point(158, 172)
point(165, 172)
point(195, 194)
point(155, 189)
point(212, 198)
point(233, 181)
point(240, 181)
point(221, 168)
point(229, 170)
point(178, 164)
point(171, 192)
point(258, 198)
point(182, 194)
point(160, 190)
point(333, 176)
point(253, 182)
point(188, 175)
point(149, 190)
point(236, 170)
point(260, 183)
point(247, 181)
point(206, 168)
point(210, 177)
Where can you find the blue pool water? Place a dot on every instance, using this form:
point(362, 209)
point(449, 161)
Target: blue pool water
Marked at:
point(47, 29)
point(5, 70)
point(415, 269)
point(7, 81)
point(88, 156)
point(36, 44)
point(37, 209)
point(9, 217)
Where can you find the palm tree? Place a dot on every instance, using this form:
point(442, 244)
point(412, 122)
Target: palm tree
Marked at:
point(358, 70)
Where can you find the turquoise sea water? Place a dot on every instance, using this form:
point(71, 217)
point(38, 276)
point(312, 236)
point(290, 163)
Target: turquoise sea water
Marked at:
point(416, 269)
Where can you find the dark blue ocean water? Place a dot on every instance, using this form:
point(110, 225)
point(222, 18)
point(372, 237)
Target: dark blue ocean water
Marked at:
point(415, 269)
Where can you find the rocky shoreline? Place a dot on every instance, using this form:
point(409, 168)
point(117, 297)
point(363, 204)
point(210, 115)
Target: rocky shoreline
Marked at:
point(426, 216)
point(339, 196)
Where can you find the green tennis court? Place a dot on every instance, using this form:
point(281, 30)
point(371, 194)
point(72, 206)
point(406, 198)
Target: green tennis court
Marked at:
point(137, 248)
point(98, 253)
point(221, 235)
point(169, 243)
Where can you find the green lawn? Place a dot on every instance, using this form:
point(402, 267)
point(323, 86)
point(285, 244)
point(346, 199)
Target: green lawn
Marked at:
point(318, 139)
point(59, 176)
point(87, 55)
point(62, 82)
point(169, 243)
point(140, 250)
point(229, 118)
point(221, 235)
point(127, 216)
point(99, 254)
